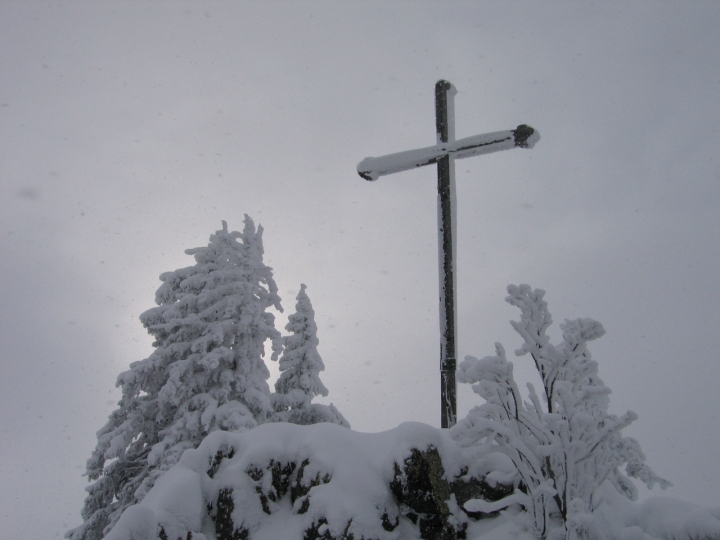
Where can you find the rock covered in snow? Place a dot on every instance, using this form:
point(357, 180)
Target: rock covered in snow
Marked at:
point(284, 481)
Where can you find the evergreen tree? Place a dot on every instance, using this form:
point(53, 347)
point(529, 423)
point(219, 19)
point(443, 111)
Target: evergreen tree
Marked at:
point(205, 374)
point(300, 366)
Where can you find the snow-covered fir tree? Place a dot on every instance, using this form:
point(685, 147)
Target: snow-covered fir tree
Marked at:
point(300, 367)
point(206, 373)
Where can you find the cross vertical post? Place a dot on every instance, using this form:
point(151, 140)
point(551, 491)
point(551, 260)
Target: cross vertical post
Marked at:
point(445, 129)
point(445, 151)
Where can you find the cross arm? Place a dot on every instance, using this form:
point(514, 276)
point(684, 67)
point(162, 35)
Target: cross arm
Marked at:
point(523, 136)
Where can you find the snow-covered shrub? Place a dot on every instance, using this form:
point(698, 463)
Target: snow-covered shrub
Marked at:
point(300, 367)
point(205, 374)
point(565, 450)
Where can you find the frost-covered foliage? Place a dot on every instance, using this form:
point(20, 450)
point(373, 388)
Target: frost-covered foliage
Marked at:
point(205, 374)
point(565, 450)
point(300, 367)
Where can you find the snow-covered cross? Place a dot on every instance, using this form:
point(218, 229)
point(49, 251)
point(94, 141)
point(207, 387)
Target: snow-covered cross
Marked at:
point(444, 153)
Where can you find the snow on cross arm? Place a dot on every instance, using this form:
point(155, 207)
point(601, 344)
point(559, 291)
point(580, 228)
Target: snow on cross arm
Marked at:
point(371, 168)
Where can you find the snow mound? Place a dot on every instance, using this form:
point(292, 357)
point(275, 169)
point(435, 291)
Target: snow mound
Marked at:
point(283, 481)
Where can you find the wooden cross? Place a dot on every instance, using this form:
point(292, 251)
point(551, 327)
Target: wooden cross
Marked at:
point(444, 153)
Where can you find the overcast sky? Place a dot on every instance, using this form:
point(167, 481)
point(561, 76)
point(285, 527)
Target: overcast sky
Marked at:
point(129, 130)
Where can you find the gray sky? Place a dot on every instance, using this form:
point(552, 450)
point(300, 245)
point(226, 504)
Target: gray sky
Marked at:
point(129, 130)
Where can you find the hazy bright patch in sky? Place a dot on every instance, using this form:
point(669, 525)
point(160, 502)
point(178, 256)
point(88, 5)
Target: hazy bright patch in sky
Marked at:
point(130, 130)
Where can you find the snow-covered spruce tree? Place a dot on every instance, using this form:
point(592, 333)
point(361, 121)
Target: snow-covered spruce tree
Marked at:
point(205, 374)
point(300, 367)
point(562, 452)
